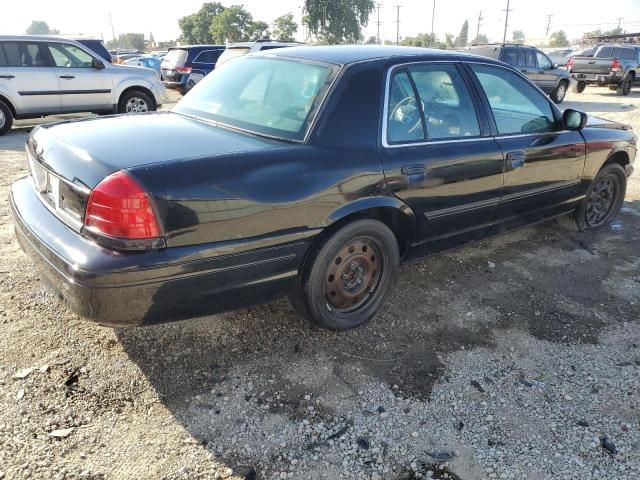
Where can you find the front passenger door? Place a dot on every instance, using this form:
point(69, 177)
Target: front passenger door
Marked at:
point(543, 162)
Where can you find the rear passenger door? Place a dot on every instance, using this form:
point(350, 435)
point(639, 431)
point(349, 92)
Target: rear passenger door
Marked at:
point(27, 78)
point(438, 154)
point(543, 162)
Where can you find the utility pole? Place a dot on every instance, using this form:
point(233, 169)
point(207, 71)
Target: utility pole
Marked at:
point(549, 17)
point(113, 32)
point(398, 24)
point(619, 20)
point(479, 23)
point(379, 22)
point(506, 23)
point(433, 17)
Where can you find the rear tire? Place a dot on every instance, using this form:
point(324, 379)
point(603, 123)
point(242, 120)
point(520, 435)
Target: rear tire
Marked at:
point(348, 276)
point(578, 87)
point(602, 203)
point(136, 101)
point(6, 118)
point(624, 88)
point(613, 87)
point(559, 93)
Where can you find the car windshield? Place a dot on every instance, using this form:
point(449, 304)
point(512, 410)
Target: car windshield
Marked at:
point(269, 96)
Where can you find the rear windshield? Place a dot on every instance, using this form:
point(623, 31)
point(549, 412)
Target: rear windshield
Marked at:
point(615, 52)
point(176, 56)
point(274, 97)
point(230, 53)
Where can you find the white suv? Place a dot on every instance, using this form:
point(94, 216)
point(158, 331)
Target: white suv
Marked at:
point(48, 75)
point(243, 48)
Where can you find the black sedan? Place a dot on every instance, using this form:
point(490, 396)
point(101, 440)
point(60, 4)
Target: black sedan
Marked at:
point(312, 172)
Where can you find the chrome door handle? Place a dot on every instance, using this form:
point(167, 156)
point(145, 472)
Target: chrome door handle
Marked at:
point(8, 76)
point(414, 173)
point(517, 159)
point(67, 77)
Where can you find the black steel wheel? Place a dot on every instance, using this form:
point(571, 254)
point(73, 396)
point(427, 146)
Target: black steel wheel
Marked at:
point(625, 86)
point(578, 87)
point(603, 201)
point(348, 276)
point(6, 118)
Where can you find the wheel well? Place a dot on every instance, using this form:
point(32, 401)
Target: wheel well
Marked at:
point(632, 73)
point(621, 158)
point(398, 222)
point(140, 89)
point(9, 104)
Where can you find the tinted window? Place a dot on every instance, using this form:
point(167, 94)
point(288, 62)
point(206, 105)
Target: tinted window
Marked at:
point(208, 56)
point(516, 105)
point(404, 123)
point(543, 61)
point(69, 56)
point(175, 56)
point(3, 57)
point(529, 58)
point(447, 104)
point(269, 96)
point(628, 53)
point(271, 47)
point(510, 56)
point(23, 54)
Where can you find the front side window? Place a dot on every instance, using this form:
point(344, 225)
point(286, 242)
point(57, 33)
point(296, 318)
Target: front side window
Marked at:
point(69, 56)
point(274, 97)
point(543, 61)
point(516, 105)
point(529, 58)
point(23, 54)
point(628, 54)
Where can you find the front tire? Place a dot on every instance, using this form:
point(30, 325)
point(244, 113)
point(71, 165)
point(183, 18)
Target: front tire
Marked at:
point(136, 101)
point(603, 201)
point(578, 87)
point(6, 118)
point(559, 93)
point(348, 276)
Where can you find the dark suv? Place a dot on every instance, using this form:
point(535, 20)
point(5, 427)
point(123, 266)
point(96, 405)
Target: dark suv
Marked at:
point(533, 63)
point(185, 66)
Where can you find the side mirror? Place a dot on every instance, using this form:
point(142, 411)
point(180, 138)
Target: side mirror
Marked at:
point(97, 64)
point(574, 119)
point(554, 66)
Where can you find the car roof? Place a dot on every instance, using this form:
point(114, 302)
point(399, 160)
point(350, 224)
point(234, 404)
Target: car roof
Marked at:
point(346, 54)
point(41, 38)
point(188, 47)
point(263, 42)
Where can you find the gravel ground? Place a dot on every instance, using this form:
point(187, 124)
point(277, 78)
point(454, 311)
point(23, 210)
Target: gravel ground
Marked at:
point(516, 357)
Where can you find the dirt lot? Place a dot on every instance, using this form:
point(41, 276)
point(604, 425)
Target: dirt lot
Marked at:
point(517, 357)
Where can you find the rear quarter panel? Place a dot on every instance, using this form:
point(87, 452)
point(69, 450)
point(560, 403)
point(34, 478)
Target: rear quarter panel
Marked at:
point(602, 143)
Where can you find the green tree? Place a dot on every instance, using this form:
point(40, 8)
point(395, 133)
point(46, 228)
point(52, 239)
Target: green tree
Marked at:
point(258, 30)
point(233, 24)
point(372, 40)
point(559, 39)
point(449, 40)
point(517, 36)
point(284, 28)
point(337, 21)
point(195, 27)
point(40, 27)
point(128, 40)
point(480, 39)
point(463, 38)
point(423, 40)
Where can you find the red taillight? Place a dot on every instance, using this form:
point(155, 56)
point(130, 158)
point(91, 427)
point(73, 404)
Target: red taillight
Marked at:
point(615, 65)
point(569, 63)
point(119, 207)
point(183, 69)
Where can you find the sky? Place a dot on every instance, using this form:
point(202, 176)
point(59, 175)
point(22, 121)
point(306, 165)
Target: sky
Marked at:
point(85, 17)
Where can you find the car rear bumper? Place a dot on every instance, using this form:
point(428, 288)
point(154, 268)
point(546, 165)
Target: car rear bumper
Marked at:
point(135, 288)
point(596, 78)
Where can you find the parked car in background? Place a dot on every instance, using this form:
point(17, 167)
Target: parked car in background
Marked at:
point(96, 46)
point(534, 63)
point(49, 75)
point(560, 56)
point(146, 61)
point(185, 66)
point(243, 48)
point(312, 172)
point(614, 66)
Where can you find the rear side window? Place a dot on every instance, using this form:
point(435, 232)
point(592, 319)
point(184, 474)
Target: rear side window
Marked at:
point(516, 105)
point(23, 54)
point(3, 57)
point(530, 58)
point(270, 47)
point(628, 54)
point(444, 108)
point(208, 56)
point(510, 56)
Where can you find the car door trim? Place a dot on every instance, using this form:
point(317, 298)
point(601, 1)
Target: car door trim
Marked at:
point(30, 93)
point(540, 190)
point(444, 212)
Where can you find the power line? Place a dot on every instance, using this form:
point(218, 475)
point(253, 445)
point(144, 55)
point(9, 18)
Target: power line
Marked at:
point(506, 23)
point(480, 18)
point(549, 17)
point(398, 24)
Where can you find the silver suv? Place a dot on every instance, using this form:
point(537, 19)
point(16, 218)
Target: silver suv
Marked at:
point(48, 75)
